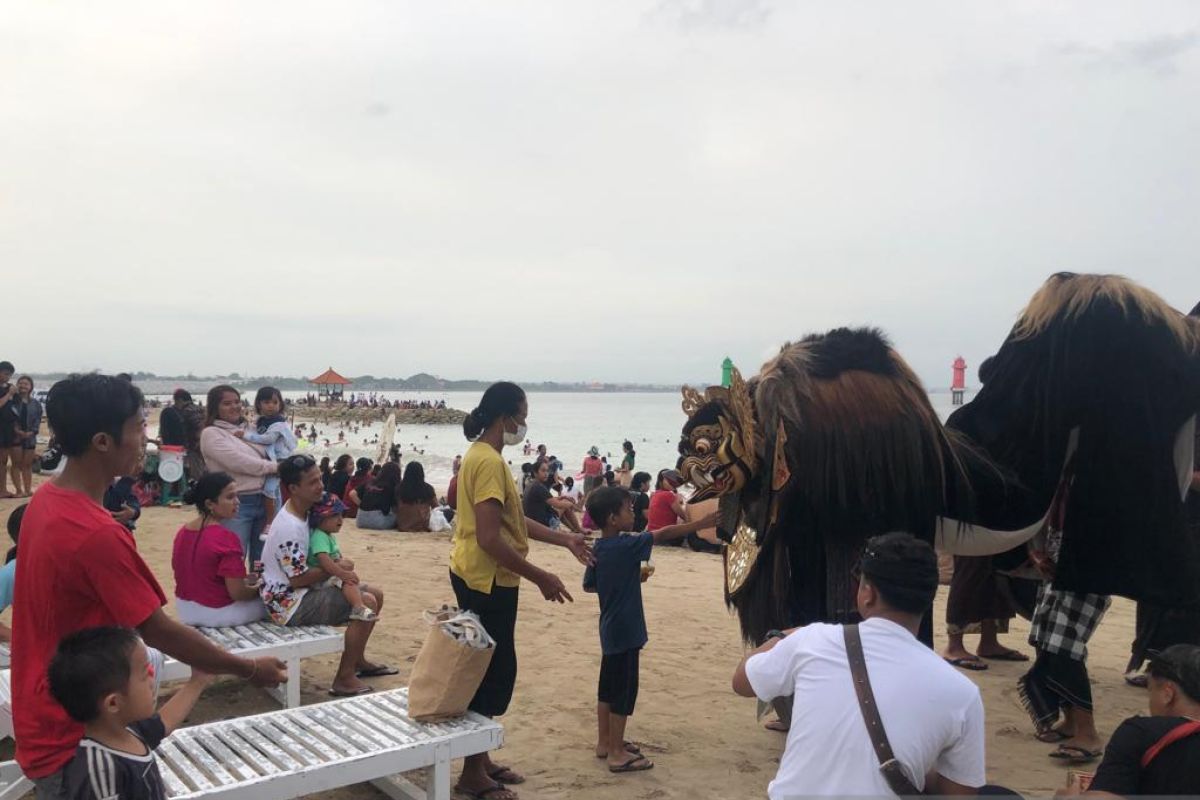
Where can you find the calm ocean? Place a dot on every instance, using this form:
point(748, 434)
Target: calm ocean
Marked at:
point(567, 423)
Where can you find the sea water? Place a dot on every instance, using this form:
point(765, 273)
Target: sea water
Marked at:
point(568, 423)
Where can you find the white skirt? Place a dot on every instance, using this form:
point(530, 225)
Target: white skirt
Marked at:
point(239, 612)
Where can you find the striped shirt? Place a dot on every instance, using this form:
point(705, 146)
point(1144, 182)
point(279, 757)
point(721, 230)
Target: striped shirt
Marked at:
point(98, 772)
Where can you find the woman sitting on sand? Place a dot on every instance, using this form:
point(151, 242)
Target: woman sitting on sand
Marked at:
point(376, 500)
point(211, 586)
point(343, 468)
point(415, 499)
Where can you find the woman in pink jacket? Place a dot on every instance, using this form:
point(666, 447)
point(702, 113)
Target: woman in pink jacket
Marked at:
point(225, 451)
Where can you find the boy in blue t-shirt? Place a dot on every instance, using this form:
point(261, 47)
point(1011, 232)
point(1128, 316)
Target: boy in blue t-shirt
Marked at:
point(617, 577)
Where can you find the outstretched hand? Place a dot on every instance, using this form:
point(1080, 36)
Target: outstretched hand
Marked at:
point(580, 547)
point(268, 672)
point(554, 590)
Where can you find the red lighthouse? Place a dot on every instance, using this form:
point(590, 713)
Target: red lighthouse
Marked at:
point(959, 385)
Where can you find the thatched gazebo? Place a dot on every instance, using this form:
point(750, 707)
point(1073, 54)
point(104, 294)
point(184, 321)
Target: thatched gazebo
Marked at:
point(330, 385)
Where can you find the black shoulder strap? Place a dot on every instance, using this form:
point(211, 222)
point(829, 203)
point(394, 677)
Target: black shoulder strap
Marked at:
point(888, 765)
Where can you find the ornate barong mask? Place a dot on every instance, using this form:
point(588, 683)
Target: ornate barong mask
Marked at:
point(720, 442)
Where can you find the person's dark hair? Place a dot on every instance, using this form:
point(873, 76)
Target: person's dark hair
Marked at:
point(376, 469)
point(569, 482)
point(208, 487)
point(526, 468)
point(325, 465)
point(264, 394)
point(501, 399)
point(412, 487)
point(292, 469)
point(610, 479)
point(627, 446)
point(344, 462)
point(81, 406)
point(362, 465)
point(89, 665)
point(903, 569)
point(606, 501)
point(1180, 664)
point(125, 376)
point(212, 404)
point(7, 366)
point(14, 530)
point(182, 396)
point(388, 479)
point(640, 482)
point(32, 385)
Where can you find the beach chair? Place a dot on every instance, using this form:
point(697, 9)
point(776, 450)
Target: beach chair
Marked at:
point(268, 639)
point(256, 639)
point(301, 751)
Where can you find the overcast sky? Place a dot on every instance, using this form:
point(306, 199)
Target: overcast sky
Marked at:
point(624, 191)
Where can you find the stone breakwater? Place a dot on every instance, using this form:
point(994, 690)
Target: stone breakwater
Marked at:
point(404, 416)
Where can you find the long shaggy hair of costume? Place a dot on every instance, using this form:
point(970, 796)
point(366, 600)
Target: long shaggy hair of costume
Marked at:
point(1066, 296)
point(866, 453)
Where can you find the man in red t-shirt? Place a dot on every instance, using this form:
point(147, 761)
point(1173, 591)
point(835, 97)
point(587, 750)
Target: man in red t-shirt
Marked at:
point(79, 569)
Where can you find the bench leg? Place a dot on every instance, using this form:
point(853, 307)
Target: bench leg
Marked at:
point(288, 695)
point(439, 777)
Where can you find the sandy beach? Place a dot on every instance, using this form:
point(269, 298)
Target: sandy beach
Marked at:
point(704, 740)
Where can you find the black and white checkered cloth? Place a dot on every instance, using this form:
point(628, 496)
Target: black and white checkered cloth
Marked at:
point(1063, 622)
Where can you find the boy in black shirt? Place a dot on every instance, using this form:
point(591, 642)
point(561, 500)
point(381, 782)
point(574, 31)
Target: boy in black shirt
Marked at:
point(104, 678)
point(617, 577)
point(1159, 754)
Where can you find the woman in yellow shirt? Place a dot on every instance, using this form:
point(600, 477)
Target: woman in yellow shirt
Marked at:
point(489, 557)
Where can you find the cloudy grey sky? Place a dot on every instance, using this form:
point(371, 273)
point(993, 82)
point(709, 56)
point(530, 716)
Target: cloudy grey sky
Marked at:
point(615, 190)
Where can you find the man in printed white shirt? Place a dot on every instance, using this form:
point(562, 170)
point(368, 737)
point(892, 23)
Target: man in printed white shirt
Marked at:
point(932, 714)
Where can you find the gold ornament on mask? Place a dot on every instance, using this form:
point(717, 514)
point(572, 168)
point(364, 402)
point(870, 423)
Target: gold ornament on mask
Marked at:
point(740, 555)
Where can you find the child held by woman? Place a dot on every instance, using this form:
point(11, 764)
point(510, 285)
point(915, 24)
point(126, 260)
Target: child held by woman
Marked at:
point(273, 433)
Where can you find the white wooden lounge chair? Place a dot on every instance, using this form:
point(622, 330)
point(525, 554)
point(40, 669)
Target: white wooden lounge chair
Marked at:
point(300, 751)
point(268, 639)
point(256, 639)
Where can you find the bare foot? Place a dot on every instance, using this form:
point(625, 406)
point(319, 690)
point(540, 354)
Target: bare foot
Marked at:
point(778, 726)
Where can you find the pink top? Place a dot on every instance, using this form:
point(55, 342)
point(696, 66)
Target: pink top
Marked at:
point(202, 560)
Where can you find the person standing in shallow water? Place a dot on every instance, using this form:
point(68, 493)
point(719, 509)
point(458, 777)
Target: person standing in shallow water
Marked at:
point(489, 556)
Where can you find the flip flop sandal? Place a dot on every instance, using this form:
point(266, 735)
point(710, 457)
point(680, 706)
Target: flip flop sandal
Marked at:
point(1052, 736)
point(630, 748)
point(498, 771)
point(1009, 655)
point(353, 693)
point(1140, 680)
point(970, 663)
point(377, 672)
point(1075, 755)
point(484, 794)
point(639, 764)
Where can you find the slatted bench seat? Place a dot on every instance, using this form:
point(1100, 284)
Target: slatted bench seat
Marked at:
point(268, 639)
point(256, 639)
point(300, 751)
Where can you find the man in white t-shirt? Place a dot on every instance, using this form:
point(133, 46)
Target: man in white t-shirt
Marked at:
point(297, 593)
point(932, 714)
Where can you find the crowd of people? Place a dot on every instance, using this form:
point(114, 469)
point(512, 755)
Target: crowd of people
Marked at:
point(262, 542)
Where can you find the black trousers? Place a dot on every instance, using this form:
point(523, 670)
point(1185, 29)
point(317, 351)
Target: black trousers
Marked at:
point(498, 613)
point(619, 682)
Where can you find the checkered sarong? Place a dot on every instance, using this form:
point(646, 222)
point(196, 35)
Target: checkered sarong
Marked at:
point(1063, 622)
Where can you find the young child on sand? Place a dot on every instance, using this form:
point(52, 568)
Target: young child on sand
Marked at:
point(274, 433)
point(105, 679)
point(325, 520)
point(617, 577)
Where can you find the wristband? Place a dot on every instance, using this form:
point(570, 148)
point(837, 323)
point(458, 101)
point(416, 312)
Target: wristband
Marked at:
point(774, 633)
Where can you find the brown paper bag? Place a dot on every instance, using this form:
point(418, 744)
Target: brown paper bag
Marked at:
point(450, 666)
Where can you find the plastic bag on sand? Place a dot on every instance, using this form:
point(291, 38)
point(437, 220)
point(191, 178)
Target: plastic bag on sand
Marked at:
point(437, 521)
point(450, 666)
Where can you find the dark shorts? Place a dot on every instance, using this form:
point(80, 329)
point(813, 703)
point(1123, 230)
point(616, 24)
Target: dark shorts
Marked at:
point(498, 613)
point(619, 681)
point(323, 605)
